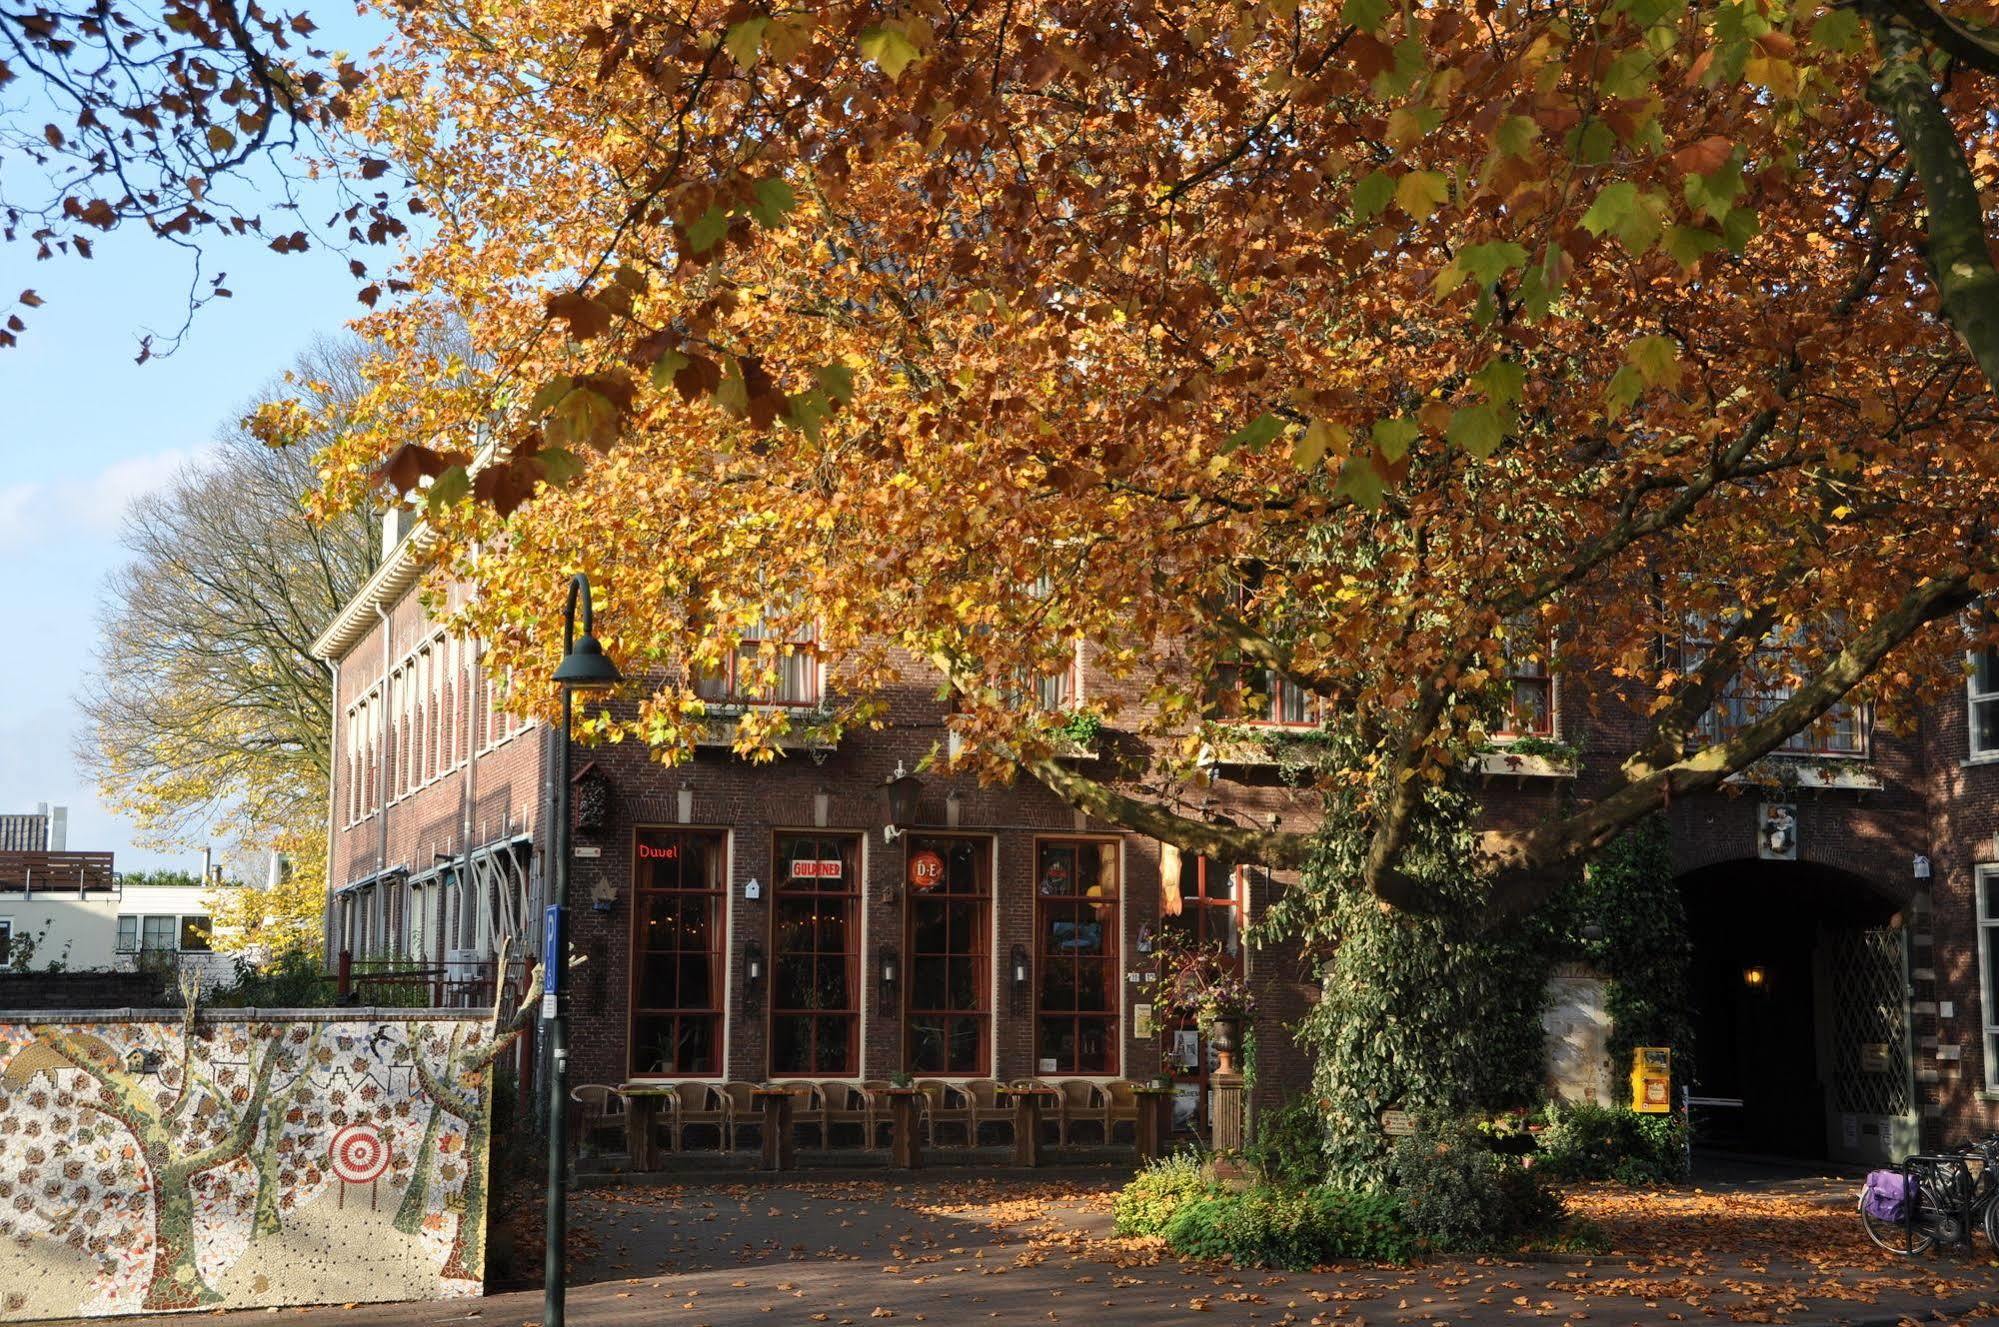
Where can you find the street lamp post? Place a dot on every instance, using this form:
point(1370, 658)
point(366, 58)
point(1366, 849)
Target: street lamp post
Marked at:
point(584, 667)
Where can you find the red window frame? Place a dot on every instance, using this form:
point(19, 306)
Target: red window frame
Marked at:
point(1531, 677)
point(1083, 961)
point(827, 902)
point(967, 884)
point(678, 920)
point(727, 686)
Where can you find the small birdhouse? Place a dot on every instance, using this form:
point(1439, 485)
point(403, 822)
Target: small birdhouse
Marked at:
point(589, 798)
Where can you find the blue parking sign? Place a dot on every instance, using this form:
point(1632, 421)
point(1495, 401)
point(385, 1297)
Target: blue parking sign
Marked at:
point(551, 946)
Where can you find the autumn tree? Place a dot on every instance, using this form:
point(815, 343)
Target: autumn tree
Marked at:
point(208, 708)
point(1353, 345)
point(193, 121)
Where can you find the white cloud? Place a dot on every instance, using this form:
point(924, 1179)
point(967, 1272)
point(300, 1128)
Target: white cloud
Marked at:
point(89, 508)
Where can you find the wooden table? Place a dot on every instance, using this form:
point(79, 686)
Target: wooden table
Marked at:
point(1027, 1120)
point(775, 1102)
point(642, 1107)
point(1155, 1121)
point(905, 1112)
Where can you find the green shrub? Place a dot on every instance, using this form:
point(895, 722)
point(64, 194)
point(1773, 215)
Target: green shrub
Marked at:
point(1458, 1196)
point(1290, 1229)
point(295, 981)
point(1148, 1202)
point(1288, 1147)
point(1588, 1142)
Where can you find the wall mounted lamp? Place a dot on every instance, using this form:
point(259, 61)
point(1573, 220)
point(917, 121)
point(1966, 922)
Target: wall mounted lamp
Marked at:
point(888, 969)
point(902, 789)
point(753, 977)
point(1020, 971)
point(1754, 977)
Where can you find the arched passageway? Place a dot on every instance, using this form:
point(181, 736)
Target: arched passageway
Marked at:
point(1801, 1018)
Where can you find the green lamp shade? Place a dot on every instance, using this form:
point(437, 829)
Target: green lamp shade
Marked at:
point(587, 668)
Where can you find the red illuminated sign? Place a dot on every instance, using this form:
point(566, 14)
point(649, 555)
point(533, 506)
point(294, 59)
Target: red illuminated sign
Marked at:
point(926, 869)
point(649, 852)
point(825, 869)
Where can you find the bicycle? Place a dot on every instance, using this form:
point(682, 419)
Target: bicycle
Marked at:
point(1945, 1198)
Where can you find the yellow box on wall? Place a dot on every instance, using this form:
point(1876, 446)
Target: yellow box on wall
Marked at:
point(1652, 1080)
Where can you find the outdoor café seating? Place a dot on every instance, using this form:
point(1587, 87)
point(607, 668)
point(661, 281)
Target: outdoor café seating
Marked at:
point(679, 1118)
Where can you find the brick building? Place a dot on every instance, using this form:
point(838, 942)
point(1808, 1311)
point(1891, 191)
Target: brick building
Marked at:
point(744, 921)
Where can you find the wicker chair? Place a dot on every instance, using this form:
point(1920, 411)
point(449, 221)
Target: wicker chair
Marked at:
point(845, 1103)
point(1054, 1108)
point(1120, 1107)
point(600, 1109)
point(808, 1107)
point(943, 1104)
point(1085, 1103)
point(874, 1093)
point(697, 1105)
point(739, 1110)
point(982, 1096)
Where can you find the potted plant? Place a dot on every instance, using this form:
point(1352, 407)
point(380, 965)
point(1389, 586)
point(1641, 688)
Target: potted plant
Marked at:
point(1200, 982)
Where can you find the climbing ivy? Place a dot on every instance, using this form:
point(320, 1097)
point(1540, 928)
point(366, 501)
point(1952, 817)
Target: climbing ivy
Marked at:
point(1639, 943)
point(1433, 1015)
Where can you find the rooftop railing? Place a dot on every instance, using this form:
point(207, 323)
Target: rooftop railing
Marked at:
point(56, 872)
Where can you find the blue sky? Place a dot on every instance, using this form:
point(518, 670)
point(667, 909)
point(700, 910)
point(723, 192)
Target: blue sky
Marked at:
point(83, 430)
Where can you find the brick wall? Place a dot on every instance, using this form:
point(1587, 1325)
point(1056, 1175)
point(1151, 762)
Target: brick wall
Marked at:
point(1931, 802)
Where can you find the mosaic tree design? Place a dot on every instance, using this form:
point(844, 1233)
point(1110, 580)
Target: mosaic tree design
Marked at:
point(183, 1120)
point(160, 1152)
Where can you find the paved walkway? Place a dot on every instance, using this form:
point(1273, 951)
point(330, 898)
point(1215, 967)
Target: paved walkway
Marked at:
point(1035, 1251)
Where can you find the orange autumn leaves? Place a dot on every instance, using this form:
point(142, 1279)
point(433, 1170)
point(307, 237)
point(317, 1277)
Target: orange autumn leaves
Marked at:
point(960, 334)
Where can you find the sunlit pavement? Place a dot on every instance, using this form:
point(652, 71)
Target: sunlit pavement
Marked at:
point(1019, 1249)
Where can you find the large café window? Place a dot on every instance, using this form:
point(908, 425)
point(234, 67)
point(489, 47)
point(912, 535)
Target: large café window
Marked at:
point(1076, 957)
point(950, 955)
point(678, 881)
point(814, 1009)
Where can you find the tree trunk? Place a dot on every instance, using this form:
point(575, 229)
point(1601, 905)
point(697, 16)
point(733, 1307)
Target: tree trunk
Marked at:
point(176, 1282)
point(409, 1214)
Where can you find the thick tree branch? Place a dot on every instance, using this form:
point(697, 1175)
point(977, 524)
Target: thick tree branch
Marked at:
point(1277, 849)
point(1529, 866)
point(1960, 250)
point(1973, 44)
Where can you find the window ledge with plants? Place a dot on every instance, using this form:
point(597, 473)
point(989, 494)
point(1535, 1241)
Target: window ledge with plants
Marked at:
point(1075, 739)
point(1790, 772)
point(811, 725)
point(1260, 743)
point(1530, 758)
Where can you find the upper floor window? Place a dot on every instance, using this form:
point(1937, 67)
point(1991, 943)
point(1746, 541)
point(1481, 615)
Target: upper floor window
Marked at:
point(1243, 693)
point(1530, 692)
point(1982, 702)
point(768, 668)
point(1762, 685)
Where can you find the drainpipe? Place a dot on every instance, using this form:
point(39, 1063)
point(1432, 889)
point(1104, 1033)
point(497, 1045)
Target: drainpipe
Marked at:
point(332, 801)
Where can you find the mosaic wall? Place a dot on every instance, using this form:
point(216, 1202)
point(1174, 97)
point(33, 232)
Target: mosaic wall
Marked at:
point(240, 1162)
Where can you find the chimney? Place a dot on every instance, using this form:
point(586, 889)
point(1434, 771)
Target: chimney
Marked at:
point(59, 829)
point(397, 521)
point(207, 864)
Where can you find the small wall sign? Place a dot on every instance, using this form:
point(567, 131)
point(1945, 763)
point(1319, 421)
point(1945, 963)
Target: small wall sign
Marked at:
point(1398, 1123)
point(589, 850)
point(1141, 1020)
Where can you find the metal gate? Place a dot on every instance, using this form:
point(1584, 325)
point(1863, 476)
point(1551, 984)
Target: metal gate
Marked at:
point(1873, 1084)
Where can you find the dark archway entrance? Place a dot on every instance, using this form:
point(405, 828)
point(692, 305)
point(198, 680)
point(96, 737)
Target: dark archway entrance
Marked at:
point(1800, 1012)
